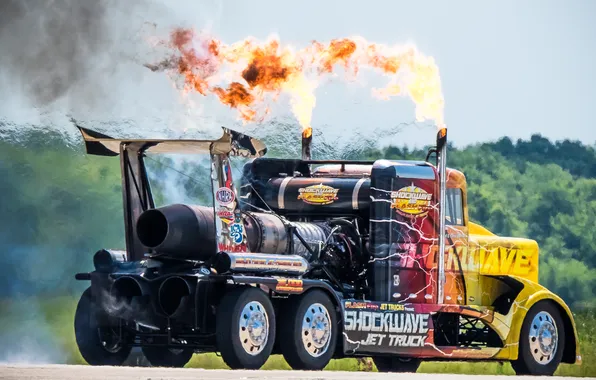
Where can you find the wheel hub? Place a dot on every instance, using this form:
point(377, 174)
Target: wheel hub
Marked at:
point(110, 341)
point(253, 328)
point(316, 330)
point(543, 338)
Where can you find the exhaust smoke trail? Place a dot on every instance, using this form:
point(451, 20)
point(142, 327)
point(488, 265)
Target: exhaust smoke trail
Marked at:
point(84, 59)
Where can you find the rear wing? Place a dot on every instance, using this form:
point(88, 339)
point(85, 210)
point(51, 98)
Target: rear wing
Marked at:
point(231, 142)
point(136, 190)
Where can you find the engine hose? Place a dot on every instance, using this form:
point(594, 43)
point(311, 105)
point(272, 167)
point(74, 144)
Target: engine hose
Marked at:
point(352, 233)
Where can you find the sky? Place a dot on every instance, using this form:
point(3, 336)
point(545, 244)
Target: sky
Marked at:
point(508, 67)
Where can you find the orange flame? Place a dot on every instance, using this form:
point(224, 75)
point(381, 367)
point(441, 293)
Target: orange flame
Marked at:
point(337, 51)
point(306, 132)
point(237, 96)
point(252, 71)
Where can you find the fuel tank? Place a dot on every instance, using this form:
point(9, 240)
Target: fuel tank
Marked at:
point(321, 195)
point(300, 188)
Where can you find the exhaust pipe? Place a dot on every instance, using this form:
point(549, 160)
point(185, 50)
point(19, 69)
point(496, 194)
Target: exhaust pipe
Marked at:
point(306, 143)
point(182, 231)
point(442, 164)
point(130, 299)
point(175, 298)
point(259, 262)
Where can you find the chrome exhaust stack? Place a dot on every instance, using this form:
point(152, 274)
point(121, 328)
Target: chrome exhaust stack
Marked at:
point(442, 166)
point(259, 262)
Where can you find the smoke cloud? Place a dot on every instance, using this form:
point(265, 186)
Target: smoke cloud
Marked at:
point(52, 44)
point(65, 58)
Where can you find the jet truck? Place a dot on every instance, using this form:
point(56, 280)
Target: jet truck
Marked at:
point(314, 260)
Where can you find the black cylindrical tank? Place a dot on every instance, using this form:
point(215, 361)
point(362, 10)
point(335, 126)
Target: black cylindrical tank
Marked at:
point(183, 231)
point(317, 195)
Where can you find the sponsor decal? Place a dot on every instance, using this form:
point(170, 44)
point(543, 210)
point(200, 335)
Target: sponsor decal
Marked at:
point(318, 194)
point(392, 307)
point(388, 329)
point(223, 247)
point(289, 285)
point(224, 213)
point(361, 305)
point(224, 196)
point(237, 233)
point(411, 201)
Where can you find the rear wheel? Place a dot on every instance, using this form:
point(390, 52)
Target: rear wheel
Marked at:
point(541, 342)
point(309, 331)
point(245, 328)
point(98, 337)
point(396, 364)
point(167, 357)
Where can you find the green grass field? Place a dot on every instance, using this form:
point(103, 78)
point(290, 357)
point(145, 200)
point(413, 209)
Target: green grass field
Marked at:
point(53, 319)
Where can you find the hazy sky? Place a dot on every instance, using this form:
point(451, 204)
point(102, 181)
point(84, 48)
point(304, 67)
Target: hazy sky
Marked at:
point(508, 67)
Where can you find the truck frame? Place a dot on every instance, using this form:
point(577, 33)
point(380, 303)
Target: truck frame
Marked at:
point(315, 260)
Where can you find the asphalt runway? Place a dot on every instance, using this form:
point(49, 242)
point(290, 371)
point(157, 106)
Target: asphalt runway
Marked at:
point(72, 372)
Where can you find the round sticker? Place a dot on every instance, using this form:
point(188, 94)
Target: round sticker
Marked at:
point(224, 196)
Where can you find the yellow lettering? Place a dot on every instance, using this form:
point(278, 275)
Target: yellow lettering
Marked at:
point(507, 257)
point(464, 258)
point(522, 265)
point(450, 259)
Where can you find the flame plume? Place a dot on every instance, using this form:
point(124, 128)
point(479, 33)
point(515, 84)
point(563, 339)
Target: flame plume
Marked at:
point(248, 73)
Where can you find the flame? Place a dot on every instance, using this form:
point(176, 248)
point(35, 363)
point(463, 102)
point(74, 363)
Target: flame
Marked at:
point(307, 132)
point(337, 51)
point(237, 96)
point(247, 74)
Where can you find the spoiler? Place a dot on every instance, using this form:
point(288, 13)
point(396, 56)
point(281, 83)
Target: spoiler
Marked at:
point(231, 142)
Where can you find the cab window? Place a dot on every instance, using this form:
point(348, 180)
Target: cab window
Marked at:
point(454, 210)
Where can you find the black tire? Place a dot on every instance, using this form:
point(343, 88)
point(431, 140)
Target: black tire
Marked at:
point(229, 340)
point(88, 335)
point(540, 320)
point(166, 357)
point(296, 342)
point(396, 364)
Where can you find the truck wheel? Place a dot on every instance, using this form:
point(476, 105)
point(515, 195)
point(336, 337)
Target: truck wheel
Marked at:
point(396, 364)
point(98, 345)
point(541, 342)
point(309, 331)
point(245, 328)
point(167, 357)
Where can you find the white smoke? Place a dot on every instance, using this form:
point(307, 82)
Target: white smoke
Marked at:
point(84, 59)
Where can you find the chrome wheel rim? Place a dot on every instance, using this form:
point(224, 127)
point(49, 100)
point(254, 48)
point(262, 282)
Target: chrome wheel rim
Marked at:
point(543, 338)
point(316, 330)
point(253, 328)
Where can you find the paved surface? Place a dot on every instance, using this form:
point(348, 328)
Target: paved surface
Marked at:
point(68, 372)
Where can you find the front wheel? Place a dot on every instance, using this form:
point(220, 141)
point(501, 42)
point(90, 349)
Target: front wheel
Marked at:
point(396, 364)
point(99, 343)
point(245, 328)
point(541, 341)
point(309, 331)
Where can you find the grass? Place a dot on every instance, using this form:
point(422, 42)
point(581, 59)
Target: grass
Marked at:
point(53, 319)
